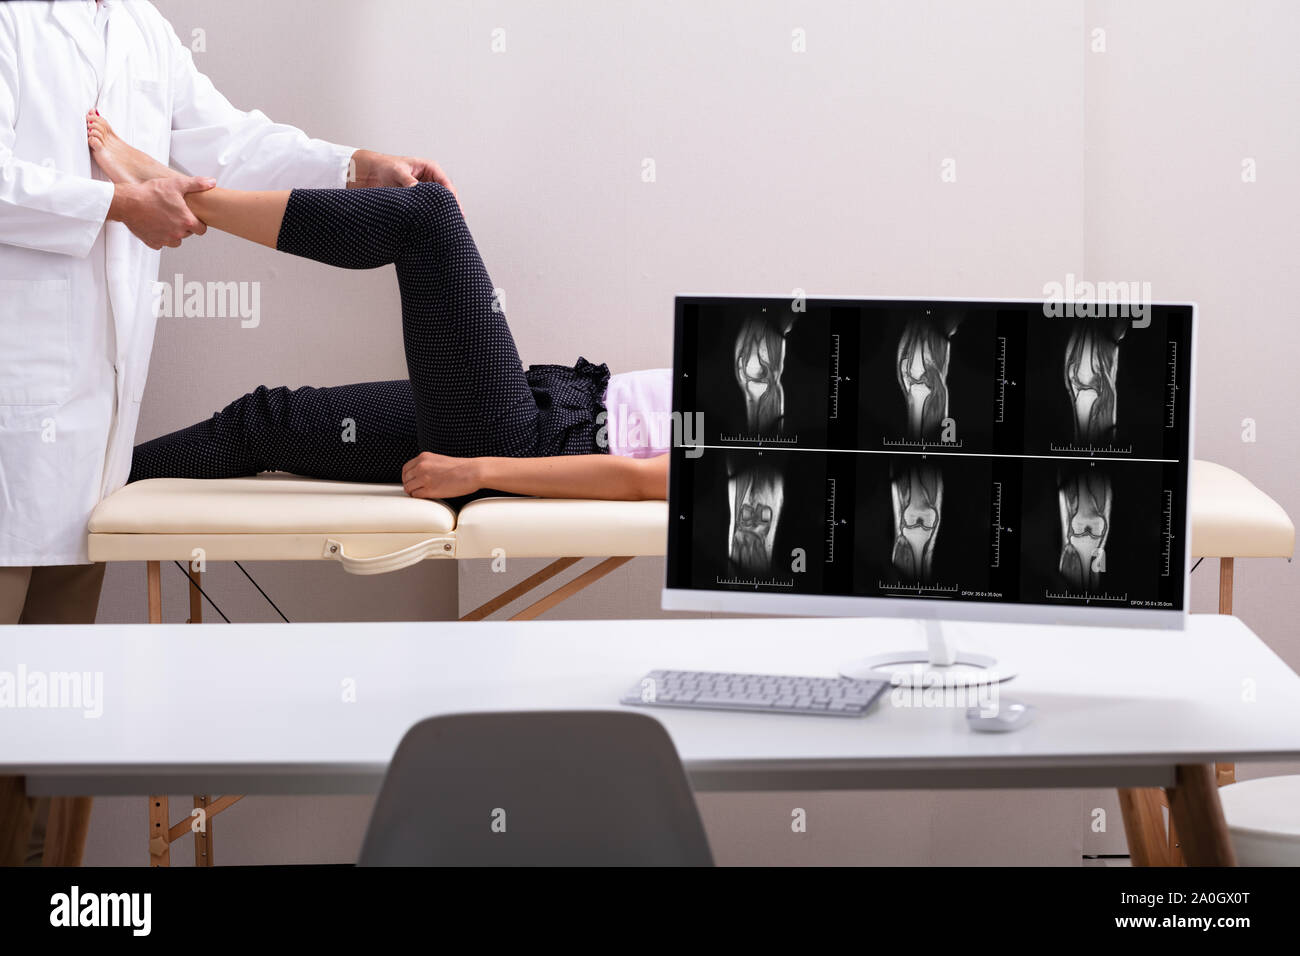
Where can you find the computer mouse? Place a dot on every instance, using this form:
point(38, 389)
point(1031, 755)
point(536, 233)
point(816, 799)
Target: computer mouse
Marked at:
point(1010, 715)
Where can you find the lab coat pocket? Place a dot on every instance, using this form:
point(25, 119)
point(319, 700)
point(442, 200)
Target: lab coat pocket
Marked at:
point(35, 351)
point(150, 114)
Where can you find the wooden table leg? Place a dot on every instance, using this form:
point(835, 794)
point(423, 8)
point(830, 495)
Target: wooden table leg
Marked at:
point(1144, 826)
point(1194, 807)
point(16, 812)
point(570, 588)
point(159, 845)
point(153, 572)
point(1225, 585)
point(196, 598)
point(66, 831)
point(203, 838)
point(1225, 772)
point(160, 853)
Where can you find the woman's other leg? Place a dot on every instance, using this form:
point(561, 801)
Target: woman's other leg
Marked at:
point(364, 432)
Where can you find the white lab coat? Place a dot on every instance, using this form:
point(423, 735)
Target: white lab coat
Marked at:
point(70, 389)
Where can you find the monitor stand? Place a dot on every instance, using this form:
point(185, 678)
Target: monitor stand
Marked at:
point(940, 663)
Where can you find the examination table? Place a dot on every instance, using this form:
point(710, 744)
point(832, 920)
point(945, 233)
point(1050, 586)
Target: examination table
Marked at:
point(368, 529)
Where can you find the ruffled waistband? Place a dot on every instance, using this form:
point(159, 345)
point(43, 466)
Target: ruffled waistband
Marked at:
point(568, 400)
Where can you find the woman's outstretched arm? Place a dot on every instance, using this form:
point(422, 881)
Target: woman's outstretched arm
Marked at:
point(610, 477)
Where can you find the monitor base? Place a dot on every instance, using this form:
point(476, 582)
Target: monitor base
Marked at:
point(939, 664)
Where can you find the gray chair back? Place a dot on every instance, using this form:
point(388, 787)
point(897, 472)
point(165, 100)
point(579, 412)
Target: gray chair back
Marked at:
point(546, 788)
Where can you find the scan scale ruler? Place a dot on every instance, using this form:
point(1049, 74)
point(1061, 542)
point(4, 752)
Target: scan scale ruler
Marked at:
point(1086, 598)
point(830, 521)
point(911, 443)
point(1002, 380)
point(759, 439)
point(928, 590)
point(1168, 514)
point(835, 377)
point(1171, 386)
point(1091, 449)
point(997, 525)
point(755, 582)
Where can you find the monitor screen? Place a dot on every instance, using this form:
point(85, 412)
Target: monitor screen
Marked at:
point(995, 457)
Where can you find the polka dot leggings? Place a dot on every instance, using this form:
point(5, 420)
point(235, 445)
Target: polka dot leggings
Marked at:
point(468, 394)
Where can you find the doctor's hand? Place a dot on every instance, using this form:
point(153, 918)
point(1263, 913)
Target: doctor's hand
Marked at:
point(379, 169)
point(156, 211)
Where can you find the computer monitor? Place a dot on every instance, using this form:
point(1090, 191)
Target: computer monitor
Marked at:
point(938, 459)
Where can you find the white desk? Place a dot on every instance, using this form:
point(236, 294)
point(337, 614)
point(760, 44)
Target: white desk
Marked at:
point(259, 708)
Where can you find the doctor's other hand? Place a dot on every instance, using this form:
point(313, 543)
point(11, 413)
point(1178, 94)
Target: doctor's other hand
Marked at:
point(440, 476)
point(155, 210)
point(379, 169)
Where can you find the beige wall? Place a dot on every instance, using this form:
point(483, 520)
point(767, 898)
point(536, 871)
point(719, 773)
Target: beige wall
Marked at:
point(774, 170)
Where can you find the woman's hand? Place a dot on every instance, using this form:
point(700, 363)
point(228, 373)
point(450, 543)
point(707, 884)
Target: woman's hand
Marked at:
point(440, 476)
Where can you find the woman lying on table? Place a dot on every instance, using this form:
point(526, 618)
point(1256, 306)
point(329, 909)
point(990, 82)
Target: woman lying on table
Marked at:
point(470, 417)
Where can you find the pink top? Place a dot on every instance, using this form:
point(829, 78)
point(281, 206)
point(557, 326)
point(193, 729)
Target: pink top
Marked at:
point(639, 423)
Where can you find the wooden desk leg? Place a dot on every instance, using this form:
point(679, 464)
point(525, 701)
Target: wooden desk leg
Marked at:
point(66, 831)
point(16, 812)
point(1225, 772)
point(1176, 857)
point(1144, 826)
point(1194, 807)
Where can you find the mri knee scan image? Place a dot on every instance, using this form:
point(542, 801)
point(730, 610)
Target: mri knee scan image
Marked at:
point(916, 492)
point(1102, 533)
point(760, 374)
point(1090, 370)
point(1085, 497)
point(760, 361)
point(923, 351)
point(755, 497)
point(758, 519)
point(1104, 386)
point(928, 378)
point(931, 525)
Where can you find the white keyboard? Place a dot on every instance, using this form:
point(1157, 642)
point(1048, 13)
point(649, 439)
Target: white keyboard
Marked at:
point(767, 693)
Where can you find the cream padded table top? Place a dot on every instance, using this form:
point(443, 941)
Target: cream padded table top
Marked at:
point(1231, 518)
point(267, 504)
point(279, 517)
point(559, 527)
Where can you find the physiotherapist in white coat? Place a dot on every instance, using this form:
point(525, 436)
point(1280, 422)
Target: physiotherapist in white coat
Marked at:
point(78, 259)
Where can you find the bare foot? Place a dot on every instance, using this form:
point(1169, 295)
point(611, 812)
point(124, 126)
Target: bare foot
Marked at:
point(120, 161)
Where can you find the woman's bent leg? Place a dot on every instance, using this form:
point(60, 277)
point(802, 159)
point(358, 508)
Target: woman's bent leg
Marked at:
point(471, 395)
point(363, 432)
